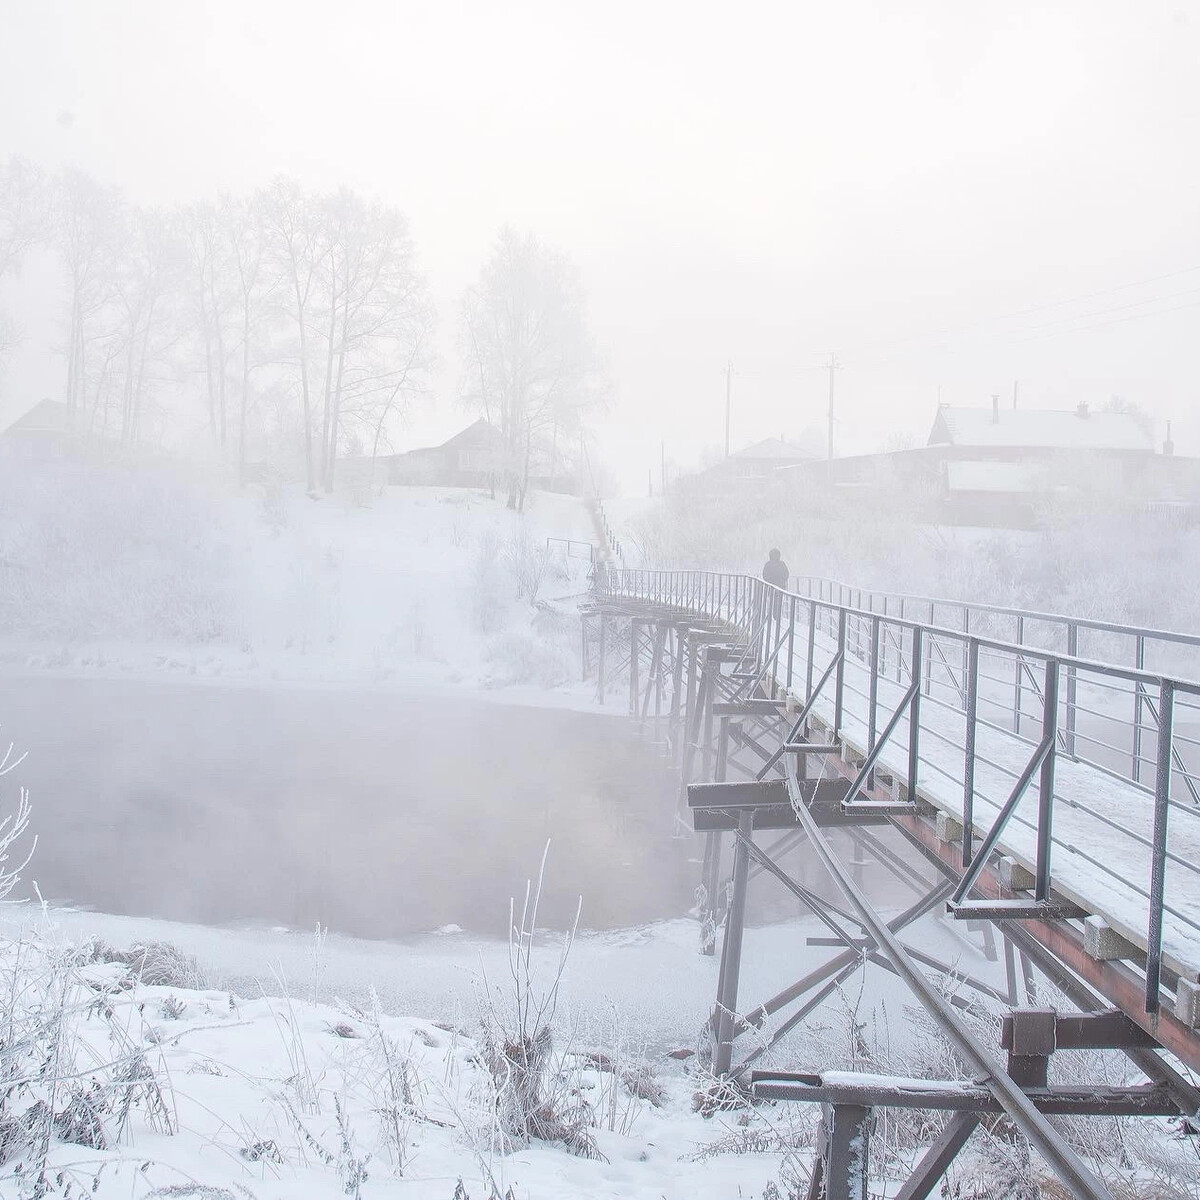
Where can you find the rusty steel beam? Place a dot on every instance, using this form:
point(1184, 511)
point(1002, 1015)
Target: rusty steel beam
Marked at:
point(1111, 978)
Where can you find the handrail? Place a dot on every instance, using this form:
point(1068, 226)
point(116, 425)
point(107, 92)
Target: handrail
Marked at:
point(1040, 653)
point(1161, 635)
point(748, 607)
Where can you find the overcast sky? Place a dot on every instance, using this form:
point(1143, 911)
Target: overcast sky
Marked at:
point(761, 183)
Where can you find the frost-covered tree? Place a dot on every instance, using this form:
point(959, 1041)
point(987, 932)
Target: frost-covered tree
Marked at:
point(244, 234)
point(359, 308)
point(530, 366)
point(87, 219)
point(22, 223)
point(210, 284)
point(376, 320)
point(295, 246)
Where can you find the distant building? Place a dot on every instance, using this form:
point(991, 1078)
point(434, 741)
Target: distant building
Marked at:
point(761, 460)
point(43, 432)
point(998, 466)
point(473, 458)
point(1014, 434)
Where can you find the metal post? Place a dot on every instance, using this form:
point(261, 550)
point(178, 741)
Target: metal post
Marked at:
point(840, 679)
point(845, 1141)
point(600, 685)
point(722, 751)
point(1139, 694)
point(1017, 694)
point(966, 652)
point(873, 696)
point(972, 682)
point(791, 639)
point(812, 648)
point(1072, 652)
point(635, 649)
point(708, 691)
point(677, 683)
point(1046, 782)
point(1158, 852)
point(914, 716)
point(731, 949)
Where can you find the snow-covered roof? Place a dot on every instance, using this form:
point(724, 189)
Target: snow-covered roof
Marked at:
point(774, 448)
point(1040, 429)
point(480, 430)
point(46, 416)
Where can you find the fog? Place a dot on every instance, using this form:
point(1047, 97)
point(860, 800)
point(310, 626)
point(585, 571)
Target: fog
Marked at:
point(805, 180)
point(407, 771)
point(243, 312)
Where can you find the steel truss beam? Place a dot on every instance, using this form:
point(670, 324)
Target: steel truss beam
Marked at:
point(1049, 1143)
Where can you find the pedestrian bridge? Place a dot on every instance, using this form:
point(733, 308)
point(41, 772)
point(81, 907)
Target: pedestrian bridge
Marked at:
point(1032, 774)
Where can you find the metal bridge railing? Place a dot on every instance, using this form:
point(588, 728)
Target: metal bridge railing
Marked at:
point(1049, 754)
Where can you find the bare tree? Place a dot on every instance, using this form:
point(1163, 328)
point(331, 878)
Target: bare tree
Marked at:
point(529, 363)
point(22, 224)
point(211, 287)
point(377, 320)
point(244, 232)
point(86, 220)
point(295, 240)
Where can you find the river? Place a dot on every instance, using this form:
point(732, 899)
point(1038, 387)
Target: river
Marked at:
point(374, 813)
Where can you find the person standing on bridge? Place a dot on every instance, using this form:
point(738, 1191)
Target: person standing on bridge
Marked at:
point(775, 571)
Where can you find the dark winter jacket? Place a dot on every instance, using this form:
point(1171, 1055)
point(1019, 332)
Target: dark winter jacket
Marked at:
point(776, 572)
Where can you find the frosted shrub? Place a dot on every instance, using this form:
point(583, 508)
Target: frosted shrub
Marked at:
point(155, 964)
point(487, 603)
point(535, 1097)
point(526, 558)
point(522, 656)
point(91, 551)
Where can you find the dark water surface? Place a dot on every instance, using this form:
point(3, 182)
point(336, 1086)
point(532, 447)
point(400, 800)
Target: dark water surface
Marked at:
point(375, 814)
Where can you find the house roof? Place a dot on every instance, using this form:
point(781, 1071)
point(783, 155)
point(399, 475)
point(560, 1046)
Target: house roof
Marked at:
point(1040, 429)
point(46, 416)
point(774, 448)
point(479, 430)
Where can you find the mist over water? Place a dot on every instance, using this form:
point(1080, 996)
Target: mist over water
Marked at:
point(372, 814)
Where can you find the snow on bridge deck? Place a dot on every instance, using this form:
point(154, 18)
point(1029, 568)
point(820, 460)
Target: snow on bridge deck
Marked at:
point(1100, 856)
point(1102, 818)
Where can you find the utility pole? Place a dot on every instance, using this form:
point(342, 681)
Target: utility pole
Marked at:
point(1014, 395)
point(833, 366)
point(662, 489)
point(728, 401)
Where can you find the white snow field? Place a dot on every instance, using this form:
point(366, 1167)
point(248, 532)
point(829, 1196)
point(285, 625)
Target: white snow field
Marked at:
point(416, 588)
point(252, 1063)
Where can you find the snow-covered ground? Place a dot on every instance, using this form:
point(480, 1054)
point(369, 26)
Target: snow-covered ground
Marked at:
point(253, 1067)
point(416, 589)
point(211, 1094)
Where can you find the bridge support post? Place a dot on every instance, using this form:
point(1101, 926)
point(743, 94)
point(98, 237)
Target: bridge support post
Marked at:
point(602, 661)
point(673, 723)
point(635, 650)
point(725, 1017)
point(843, 1165)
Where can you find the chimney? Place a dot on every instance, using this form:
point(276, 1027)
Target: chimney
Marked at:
point(996, 410)
point(1168, 445)
point(1081, 409)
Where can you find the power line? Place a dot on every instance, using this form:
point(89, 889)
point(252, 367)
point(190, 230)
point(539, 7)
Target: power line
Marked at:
point(1114, 308)
point(1162, 312)
point(918, 337)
